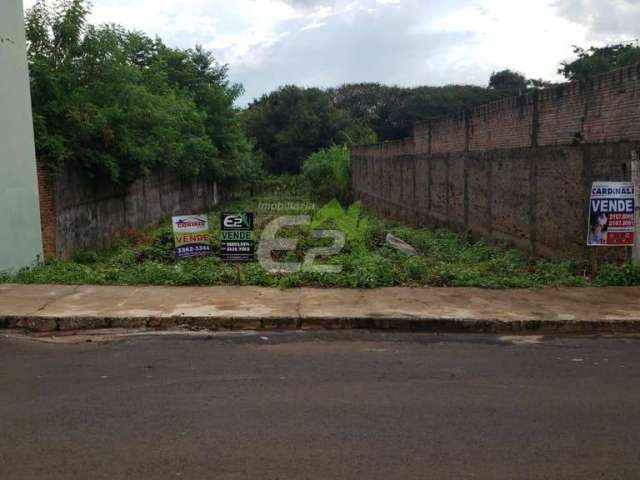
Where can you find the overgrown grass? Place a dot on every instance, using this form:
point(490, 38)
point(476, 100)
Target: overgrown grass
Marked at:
point(446, 259)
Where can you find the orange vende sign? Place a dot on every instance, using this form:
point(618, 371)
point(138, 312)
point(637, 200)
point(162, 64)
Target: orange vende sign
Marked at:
point(191, 236)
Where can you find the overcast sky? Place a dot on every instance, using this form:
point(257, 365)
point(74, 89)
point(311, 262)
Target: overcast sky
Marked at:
point(269, 43)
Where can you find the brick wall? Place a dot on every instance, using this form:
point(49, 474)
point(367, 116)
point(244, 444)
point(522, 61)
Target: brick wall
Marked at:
point(517, 169)
point(506, 123)
point(47, 210)
point(604, 110)
point(78, 215)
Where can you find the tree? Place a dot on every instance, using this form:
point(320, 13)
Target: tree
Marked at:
point(374, 105)
point(392, 111)
point(597, 60)
point(291, 123)
point(119, 105)
point(508, 81)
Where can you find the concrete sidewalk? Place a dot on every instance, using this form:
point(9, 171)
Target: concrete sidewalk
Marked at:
point(46, 308)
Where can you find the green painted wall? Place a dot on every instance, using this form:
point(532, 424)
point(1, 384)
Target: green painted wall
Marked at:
point(20, 236)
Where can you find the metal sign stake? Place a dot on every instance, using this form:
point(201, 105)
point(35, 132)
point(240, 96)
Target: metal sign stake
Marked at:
point(635, 178)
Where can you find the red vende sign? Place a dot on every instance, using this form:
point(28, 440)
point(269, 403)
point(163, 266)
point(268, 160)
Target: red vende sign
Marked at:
point(611, 214)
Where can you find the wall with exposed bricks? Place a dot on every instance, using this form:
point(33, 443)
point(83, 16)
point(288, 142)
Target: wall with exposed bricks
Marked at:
point(78, 215)
point(516, 170)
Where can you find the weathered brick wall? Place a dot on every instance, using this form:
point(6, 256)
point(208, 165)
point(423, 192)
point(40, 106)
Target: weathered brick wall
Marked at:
point(47, 211)
point(518, 169)
point(604, 110)
point(448, 135)
point(506, 123)
point(78, 215)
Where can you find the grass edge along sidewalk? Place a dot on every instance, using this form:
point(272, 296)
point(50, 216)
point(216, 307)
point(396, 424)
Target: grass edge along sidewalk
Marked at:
point(51, 308)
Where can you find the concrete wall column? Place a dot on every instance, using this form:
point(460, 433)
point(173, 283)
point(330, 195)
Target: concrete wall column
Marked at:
point(20, 234)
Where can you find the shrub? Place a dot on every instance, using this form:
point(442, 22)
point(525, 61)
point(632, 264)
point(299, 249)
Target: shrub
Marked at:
point(328, 173)
point(625, 275)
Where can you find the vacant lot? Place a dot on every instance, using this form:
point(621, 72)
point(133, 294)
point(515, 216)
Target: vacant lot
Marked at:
point(366, 261)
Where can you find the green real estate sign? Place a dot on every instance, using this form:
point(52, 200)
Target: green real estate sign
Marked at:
point(236, 237)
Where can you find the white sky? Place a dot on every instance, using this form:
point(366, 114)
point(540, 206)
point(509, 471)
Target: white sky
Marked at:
point(269, 43)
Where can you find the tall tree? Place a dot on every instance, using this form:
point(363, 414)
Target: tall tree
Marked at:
point(392, 111)
point(508, 81)
point(291, 123)
point(595, 60)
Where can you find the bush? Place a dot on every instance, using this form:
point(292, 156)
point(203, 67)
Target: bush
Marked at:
point(328, 173)
point(625, 275)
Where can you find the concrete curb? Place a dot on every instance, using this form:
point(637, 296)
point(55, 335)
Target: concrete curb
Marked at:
point(62, 308)
point(433, 325)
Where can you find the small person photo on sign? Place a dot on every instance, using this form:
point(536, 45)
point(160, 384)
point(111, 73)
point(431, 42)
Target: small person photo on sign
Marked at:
point(599, 223)
point(611, 214)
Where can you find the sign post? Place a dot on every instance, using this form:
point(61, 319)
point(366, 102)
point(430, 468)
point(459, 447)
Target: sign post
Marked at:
point(635, 179)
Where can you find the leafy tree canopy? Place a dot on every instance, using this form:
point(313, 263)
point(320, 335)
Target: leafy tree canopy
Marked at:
point(508, 80)
point(291, 123)
point(596, 60)
point(392, 111)
point(120, 105)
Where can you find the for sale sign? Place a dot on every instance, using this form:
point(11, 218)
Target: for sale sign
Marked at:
point(611, 214)
point(191, 236)
point(236, 237)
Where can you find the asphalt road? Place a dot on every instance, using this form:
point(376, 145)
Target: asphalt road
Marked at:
point(324, 406)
